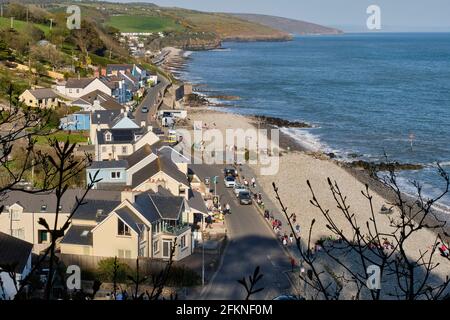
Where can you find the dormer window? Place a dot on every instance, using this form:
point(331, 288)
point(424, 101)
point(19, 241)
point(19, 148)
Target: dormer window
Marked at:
point(122, 228)
point(15, 214)
point(44, 208)
point(108, 136)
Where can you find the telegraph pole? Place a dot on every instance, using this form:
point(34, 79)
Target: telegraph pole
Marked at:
point(12, 22)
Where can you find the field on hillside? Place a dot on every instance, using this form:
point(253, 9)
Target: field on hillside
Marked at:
point(21, 25)
point(126, 23)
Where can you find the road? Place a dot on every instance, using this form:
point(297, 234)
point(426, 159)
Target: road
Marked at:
point(251, 244)
point(151, 100)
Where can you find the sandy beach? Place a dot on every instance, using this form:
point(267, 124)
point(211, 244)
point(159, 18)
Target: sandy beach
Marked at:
point(297, 166)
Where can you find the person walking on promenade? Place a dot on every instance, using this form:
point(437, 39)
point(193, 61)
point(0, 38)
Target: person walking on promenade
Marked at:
point(293, 263)
point(291, 238)
point(253, 182)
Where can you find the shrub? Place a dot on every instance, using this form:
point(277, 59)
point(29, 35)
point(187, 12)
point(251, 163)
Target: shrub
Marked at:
point(105, 271)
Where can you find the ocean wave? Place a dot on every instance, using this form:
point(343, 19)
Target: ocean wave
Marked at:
point(306, 139)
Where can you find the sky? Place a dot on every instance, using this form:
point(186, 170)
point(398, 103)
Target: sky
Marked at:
point(396, 15)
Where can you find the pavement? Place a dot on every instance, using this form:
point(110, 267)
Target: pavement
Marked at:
point(251, 243)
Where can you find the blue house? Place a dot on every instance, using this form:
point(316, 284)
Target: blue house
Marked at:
point(79, 121)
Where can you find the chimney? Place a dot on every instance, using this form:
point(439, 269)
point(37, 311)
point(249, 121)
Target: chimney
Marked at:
point(143, 123)
point(96, 73)
point(149, 128)
point(127, 194)
point(103, 72)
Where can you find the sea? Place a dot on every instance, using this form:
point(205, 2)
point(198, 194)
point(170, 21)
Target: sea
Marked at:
point(372, 96)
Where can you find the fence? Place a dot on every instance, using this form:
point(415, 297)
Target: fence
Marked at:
point(90, 263)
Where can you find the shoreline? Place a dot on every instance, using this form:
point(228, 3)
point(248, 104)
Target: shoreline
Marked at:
point(290, 145)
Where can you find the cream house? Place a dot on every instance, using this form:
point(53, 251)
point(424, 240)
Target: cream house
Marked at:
point(146, 224)
point(40, 98)
point(21, 213)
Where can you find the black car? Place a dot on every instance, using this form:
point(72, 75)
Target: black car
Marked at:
point(229, 172)
point(245, 197)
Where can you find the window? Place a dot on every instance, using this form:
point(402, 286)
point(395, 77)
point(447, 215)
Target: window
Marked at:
point(124, 254)
point(42, 236)
point(115, 175)
point(155, 247)
point(18, 233)
point(70, 90)
point(183, 242)
point(124, 150)
point(44, 208)
point(78, 90)
point(108, 136)
point(122, 228)
point(15, 214)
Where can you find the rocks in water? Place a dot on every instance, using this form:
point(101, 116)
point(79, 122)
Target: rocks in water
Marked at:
point(383, 166)
point(282, 122)
point(195, 100)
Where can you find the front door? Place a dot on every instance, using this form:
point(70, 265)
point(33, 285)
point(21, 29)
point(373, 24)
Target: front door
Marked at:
point(166, 248)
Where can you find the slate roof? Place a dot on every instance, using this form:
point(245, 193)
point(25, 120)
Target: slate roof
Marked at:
point(118, 136)
point(196, 201)
point(160, 164)
point(79, 235)
point(138, 155)
point(90, 210)
point(78, 83)
point(14, 251)
point(105, 100)
point(113, 164)
point(130, 218)
point(104, 116)
point(43, 93)
point(33, 202)
point(156, 207)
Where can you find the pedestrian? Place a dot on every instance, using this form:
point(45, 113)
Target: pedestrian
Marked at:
point(292, 263)
point(297, 229)
point(291, 238)
point(246, 183)
point(284, 241)
point(227, 208)
point(253, 182)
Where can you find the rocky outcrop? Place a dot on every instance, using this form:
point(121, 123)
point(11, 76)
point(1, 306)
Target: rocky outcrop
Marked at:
point(383, 166)
point(282, 122)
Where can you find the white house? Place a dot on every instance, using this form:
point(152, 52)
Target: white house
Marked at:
point(76, 88)
point(15, 264)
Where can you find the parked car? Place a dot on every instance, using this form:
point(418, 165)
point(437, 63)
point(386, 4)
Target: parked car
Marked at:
point(230, 181)
point(229, 172)
point(144, 110)
point(239, 188)
point(245, 197)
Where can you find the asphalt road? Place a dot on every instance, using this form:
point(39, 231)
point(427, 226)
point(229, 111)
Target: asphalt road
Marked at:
point(151, 100)
point(251, 244)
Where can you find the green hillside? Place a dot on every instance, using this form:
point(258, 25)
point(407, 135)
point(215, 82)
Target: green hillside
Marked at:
point(127, 23)
point(21, 25)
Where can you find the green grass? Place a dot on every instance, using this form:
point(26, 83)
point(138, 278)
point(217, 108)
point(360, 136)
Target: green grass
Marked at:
point(127, 23)
point(62, 137)
point(21, 25)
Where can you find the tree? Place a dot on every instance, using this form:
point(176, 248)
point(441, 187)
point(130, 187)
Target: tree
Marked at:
point(340, 267)
point(5, 52)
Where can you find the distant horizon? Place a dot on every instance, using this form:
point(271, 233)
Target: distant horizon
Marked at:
point(347, 15)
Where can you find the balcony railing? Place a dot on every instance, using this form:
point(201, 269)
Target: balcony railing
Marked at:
point(175, 230)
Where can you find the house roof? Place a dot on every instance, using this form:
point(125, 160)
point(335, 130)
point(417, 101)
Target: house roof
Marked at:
point(78, 83)
point(105, 100)
point(160, 164)
point(119, 66)
point(138, 155)
point(196, 202)
point(95, 210)
point(119, 136)
point(104, 116)
point(79, 235)
point(34, 202)
point(43, 93)
point(130, 218)
point(113, 164)
point(156, 207)
point(14, 252)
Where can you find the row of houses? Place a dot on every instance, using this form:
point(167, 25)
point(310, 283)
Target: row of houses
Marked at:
point(119, 82)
